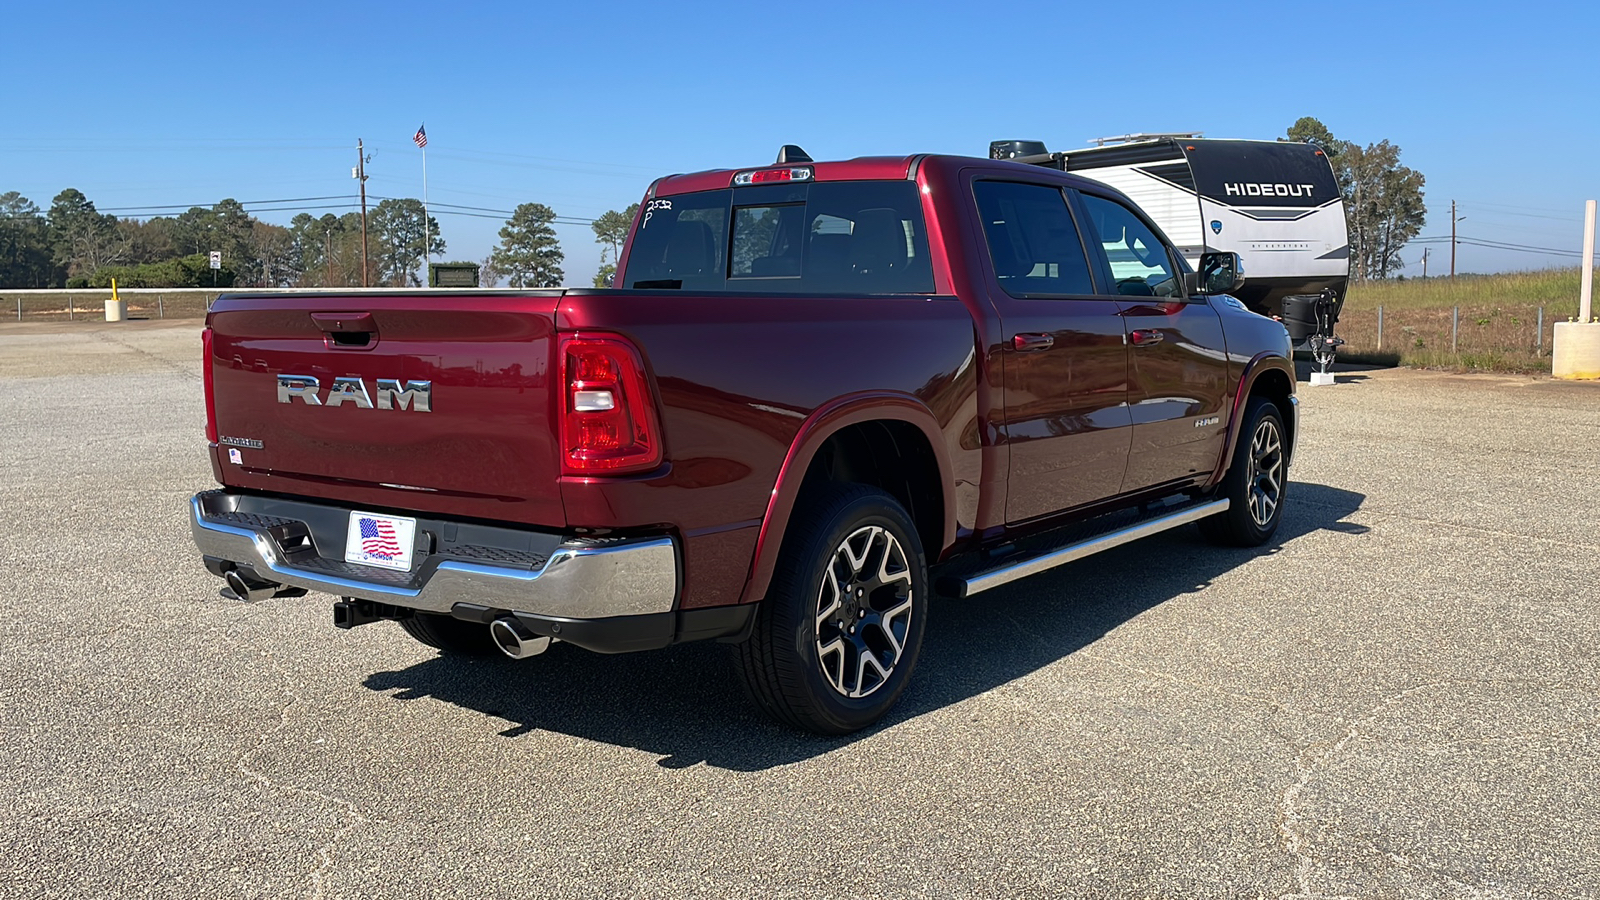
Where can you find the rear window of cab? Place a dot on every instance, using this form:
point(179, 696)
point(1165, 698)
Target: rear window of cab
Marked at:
point(845, 237)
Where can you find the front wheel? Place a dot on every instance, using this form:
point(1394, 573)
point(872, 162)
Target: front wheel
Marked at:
point(840, 630)
point(1256, 481)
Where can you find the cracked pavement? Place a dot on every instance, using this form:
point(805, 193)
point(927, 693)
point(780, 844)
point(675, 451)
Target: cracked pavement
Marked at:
point(1399, 698)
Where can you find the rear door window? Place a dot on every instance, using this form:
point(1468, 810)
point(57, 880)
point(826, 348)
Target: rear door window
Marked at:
point(855, 237)
point(1033, 241)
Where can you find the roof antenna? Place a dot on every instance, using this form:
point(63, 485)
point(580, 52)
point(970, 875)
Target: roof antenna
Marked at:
point(790, 153)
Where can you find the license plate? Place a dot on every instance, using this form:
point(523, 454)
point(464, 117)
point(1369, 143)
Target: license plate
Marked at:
point(377, 540)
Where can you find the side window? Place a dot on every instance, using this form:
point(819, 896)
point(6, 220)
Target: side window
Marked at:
point(1032, 239)
point(1140, 264)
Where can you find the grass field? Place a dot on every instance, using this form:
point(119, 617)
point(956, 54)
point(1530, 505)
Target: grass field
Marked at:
point(1497, 329)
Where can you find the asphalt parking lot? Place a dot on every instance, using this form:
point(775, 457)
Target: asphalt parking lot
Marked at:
point(1400, 698)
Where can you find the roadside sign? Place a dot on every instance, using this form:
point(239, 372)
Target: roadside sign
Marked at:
point(216, 259)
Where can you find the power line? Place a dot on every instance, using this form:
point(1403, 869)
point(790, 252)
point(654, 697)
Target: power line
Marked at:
point(1495, 245)
point(1507, 212)
point(498, 192)
point(646, 172)
point(351, 205)
point(1485, 242)
point(489, 212)
point(479, 211)
point(187, 206)
point(574, 170)
point(253, 211)
point(121, 148)
point(349, 202)
point(1524, 227)
point(1513, 206)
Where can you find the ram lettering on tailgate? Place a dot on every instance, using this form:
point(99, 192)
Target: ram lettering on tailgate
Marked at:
point(417, 395)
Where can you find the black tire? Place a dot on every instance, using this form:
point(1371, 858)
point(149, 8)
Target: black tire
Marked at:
point(850, 549)
point(1257, 480)
point(451, 635)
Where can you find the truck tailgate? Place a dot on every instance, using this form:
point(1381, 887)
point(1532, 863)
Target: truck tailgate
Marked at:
point(431, 401)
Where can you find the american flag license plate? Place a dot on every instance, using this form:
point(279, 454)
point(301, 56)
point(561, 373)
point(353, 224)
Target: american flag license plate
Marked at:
point(377, 540)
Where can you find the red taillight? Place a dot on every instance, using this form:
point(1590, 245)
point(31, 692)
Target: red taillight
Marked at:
point(211, 391)
point(608, 417)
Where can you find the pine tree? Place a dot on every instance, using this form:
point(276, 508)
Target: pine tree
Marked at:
point(529, 255)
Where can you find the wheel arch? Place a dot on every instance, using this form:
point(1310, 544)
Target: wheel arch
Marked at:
point(1267, 375)
point(888, 440)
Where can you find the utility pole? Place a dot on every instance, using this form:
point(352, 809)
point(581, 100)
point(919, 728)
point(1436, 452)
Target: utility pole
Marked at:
point(1453, 220)
point(360, 174)
point(1424, 262)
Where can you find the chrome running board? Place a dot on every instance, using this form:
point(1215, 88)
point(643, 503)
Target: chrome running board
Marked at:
point(993, 578)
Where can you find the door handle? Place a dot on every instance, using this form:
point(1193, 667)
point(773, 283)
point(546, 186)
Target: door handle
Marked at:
point(1026, 342)
point(347, 330)
point(1144, 337)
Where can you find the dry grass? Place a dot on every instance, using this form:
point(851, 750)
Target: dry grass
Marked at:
point(1554, 289)
point(1497, 329)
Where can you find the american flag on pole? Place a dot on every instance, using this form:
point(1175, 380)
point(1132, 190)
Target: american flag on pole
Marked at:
point(421, 137)
point(378, 538)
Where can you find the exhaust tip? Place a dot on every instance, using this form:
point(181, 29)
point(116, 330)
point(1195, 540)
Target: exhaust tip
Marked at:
point(250, 589)
point(515, 639)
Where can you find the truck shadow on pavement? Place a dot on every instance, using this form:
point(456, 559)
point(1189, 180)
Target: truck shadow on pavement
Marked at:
point(685, 703)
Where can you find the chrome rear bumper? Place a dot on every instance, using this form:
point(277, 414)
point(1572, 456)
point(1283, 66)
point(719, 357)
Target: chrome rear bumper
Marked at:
point(572, 579)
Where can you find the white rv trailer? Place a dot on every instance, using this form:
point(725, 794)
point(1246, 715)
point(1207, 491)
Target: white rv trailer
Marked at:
point(1274, 203)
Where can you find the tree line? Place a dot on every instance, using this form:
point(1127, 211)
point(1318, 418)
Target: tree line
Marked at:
point(72, 244)
point(1383, 205)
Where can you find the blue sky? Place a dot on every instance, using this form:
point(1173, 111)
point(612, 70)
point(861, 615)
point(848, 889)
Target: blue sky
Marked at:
point(580, 105)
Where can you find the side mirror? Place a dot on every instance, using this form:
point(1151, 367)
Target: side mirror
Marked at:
point(1221, 273)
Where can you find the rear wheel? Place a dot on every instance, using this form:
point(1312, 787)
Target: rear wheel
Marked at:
point(451, 635)
point(1256, 481)
point(839, 632)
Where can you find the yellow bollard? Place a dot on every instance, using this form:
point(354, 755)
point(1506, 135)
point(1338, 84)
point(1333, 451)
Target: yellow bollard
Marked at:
point(116, 307)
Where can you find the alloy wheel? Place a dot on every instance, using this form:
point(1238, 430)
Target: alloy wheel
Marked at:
point(863, 612)
point(1266, 472)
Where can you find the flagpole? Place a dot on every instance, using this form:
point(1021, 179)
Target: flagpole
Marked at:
point(426, 255)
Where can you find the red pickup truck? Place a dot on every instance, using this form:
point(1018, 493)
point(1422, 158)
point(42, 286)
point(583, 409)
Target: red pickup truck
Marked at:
point(821, 393)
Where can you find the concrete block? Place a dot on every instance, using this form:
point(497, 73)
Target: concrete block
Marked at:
point(1321, 378)
point(1576, 350)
